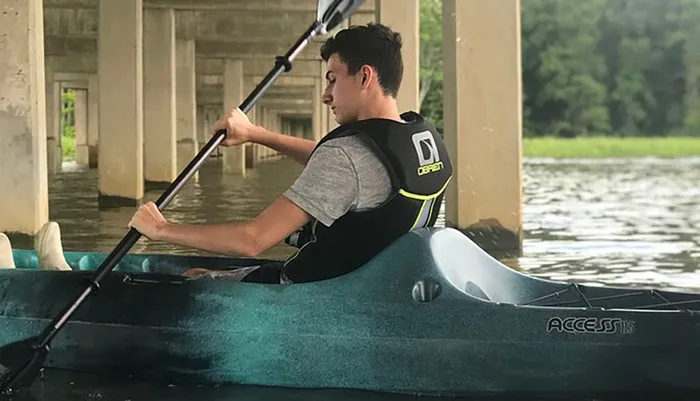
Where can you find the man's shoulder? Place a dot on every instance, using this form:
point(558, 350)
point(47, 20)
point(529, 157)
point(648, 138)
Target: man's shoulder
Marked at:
point(355, 146)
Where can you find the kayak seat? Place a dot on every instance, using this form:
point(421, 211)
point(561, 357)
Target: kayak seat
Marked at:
point(477, 274)
point(474, 290)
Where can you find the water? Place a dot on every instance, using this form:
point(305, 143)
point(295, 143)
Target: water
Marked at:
point(617, 222)
point(62, 386)
point(620, 222)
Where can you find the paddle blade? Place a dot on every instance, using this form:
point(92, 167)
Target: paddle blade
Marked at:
point(20, 363)
point(332, 13)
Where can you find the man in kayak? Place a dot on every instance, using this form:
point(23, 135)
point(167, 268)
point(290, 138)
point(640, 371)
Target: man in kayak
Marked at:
point(377, 176)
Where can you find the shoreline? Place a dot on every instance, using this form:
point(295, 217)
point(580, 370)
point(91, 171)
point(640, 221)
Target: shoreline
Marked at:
point(611, 147)
point(574, 148)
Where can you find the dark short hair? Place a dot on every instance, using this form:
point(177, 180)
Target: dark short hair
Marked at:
point(372, 44)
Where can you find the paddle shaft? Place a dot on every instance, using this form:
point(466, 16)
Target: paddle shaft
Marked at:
point(282, 64)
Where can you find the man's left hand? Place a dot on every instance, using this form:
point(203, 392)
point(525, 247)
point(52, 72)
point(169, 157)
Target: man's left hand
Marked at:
point(149, 221)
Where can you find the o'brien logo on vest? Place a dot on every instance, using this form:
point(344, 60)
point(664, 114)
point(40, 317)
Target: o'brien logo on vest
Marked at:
point(428, 155)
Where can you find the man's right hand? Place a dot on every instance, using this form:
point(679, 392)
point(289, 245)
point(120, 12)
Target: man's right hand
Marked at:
point(238, 127)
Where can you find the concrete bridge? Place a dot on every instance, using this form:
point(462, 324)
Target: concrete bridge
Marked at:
point(152, 75)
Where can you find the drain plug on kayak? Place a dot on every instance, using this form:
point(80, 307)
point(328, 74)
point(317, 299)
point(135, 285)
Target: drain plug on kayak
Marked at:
point(426, 290)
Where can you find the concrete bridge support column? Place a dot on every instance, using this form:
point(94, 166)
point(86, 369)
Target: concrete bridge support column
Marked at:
point(284, 125)
point(81, 127)
point(54, 156)
point(361, 18)
point(120, 69)
point(299, 130)
point(260, 120)
point(24, 197)
point(324, 118)
point(276, 124)
point(403, 16)
point(207, 122)
point(483, 120)
point(187, 145)
point(269, 123)
point(252, 149)
point(328, 116)
point(317, 106)
point(160, 102)
point(93, 119)
point(213, 114)
point(257, 154)
point(201, 127)
point(234, 157)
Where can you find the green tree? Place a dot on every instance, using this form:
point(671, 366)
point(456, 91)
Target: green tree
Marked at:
point(68, 113)
point(564, 92)
point(610, 67)
point(691, 29)
point(431, 66)
point(626, 47)
point(666, 69)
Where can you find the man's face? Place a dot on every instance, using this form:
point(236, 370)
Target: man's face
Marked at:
point(343, 93)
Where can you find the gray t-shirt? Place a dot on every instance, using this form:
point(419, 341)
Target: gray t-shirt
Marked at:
point(342, 175)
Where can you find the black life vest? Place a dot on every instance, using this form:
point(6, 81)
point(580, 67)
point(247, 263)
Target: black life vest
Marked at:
point(420, 169)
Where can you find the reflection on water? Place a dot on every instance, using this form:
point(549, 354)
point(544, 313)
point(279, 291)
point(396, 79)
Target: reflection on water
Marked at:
point(621, 222)
point(618, 222)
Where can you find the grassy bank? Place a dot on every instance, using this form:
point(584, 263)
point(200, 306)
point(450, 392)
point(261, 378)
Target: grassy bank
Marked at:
point(68, 147)
point(590, 147)
point(604, 147)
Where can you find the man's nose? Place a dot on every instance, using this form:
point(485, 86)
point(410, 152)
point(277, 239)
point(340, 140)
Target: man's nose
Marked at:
point(327, 98)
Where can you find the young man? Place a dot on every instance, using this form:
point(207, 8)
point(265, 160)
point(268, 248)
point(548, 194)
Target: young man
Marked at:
point(377, 176)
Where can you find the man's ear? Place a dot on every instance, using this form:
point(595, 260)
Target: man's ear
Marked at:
point(366, 73)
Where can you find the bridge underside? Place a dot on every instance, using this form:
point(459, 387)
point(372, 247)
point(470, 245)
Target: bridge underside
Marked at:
point(151, 76)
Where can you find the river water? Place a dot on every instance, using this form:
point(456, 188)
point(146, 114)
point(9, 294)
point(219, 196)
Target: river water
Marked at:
point(625, 222)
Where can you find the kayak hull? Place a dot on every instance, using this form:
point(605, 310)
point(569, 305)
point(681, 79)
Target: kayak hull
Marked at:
point(432, 314)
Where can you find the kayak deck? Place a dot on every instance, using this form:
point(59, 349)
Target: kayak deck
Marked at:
point(137, 263)
point(460, 261)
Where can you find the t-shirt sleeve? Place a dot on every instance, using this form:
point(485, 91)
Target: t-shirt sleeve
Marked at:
point(328, 186)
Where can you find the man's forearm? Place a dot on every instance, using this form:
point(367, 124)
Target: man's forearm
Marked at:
point(298, 149)
point(226, 239)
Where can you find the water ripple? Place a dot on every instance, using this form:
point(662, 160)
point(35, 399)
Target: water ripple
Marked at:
point(623, 222)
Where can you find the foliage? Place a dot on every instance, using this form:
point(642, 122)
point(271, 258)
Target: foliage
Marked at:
point(68, 124)
point(594, 67)
point(68, 113)
point(431, 59)
point(67, 148)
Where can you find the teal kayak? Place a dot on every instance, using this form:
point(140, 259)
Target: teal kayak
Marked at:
point(432, 314)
